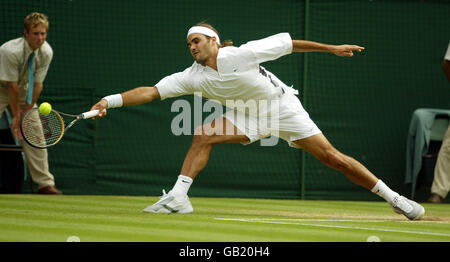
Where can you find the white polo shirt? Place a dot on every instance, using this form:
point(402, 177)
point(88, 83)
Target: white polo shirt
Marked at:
point(239, 75)
point(241, 78)
point(14, 56)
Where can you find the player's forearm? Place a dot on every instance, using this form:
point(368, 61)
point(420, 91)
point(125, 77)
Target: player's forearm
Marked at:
point(14, 98)
point(140, 95)
point(310, 46)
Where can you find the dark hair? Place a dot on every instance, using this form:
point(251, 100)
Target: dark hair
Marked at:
point(224, 43)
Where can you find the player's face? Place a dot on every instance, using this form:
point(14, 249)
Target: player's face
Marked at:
point(200, 47)
point(36, 36)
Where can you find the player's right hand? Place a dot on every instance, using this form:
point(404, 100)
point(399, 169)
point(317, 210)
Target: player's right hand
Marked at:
point(100, 106)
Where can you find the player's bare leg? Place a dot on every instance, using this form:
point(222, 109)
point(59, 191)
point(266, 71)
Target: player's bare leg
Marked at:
point(220, 131)
point(322, 149)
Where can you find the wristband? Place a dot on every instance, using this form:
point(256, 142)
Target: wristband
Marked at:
point(114, 100)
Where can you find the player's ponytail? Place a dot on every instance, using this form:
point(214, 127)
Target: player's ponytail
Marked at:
point(225, 43)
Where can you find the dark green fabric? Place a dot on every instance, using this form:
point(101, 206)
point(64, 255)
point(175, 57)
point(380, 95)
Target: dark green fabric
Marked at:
point(362, 104)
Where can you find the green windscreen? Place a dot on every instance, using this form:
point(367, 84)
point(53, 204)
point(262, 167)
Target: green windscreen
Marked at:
point(362, 104)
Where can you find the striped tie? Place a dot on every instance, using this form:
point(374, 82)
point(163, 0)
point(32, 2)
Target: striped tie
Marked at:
point(30, 78)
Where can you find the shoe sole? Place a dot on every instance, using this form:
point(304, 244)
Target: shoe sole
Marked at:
point(162, 210)
point(161, 204)
point(183, 211)
point(165, 209)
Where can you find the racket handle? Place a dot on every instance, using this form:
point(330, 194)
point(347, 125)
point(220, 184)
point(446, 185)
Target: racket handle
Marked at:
point(89, 114)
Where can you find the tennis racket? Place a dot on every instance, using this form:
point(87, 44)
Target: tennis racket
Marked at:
point(42, 131)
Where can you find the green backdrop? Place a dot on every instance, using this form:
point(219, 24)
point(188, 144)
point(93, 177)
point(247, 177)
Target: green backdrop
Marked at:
point(362, 104)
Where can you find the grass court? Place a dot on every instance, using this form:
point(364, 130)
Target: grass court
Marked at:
point(41, 218)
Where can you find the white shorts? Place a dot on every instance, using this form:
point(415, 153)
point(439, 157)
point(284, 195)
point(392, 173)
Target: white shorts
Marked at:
point(291, 123)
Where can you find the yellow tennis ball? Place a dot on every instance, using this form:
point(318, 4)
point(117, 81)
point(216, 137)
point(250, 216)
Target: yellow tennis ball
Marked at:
point(45, 108)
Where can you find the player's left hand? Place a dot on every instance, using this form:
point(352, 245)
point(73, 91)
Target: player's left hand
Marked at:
point(346, 50)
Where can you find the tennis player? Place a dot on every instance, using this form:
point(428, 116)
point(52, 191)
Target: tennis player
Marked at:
point(226, 73)
point(24, 63)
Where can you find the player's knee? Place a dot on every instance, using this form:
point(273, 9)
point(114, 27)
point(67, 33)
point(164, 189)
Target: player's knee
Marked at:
point(198, 131)
point(202, 136)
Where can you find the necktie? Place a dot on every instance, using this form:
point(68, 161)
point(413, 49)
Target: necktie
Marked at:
point(30, 78)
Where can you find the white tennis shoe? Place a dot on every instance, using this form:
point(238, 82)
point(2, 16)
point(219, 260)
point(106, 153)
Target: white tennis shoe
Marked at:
point(409, 208)
point(169, 203)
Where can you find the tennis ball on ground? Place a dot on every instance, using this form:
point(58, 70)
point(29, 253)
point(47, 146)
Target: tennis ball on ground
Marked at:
point(45, 108)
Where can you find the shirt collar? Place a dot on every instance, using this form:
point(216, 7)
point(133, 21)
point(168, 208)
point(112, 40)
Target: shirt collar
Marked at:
point(27, 49)
point(203, 68)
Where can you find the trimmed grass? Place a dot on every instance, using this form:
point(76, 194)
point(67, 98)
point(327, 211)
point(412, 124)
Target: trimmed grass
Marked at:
point(40, 218)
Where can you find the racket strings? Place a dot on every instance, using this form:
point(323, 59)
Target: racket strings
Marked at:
point(42, 130)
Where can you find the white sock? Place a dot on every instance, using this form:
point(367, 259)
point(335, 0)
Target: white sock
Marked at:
point(384, 191)
point(182, 185)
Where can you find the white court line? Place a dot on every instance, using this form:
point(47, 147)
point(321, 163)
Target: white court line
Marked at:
point(334, 220)
point(308, 220)
point(300, 223)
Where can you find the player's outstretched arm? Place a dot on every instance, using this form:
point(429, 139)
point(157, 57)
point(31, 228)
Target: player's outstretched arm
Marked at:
point(140, 95)
point(136, 96)
point(311, 46)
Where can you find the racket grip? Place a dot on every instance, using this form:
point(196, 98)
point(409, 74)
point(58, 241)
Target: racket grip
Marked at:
point(90, 114)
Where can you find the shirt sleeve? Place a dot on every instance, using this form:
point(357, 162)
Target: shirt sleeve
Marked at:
point(174, 85)
point(270, 48)
point(42, 68)
point(8, 66)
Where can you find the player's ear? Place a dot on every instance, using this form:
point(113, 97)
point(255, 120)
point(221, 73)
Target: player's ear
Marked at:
point(213, 40)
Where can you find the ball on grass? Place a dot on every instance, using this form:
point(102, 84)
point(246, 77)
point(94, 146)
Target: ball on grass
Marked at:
point(45, 108)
